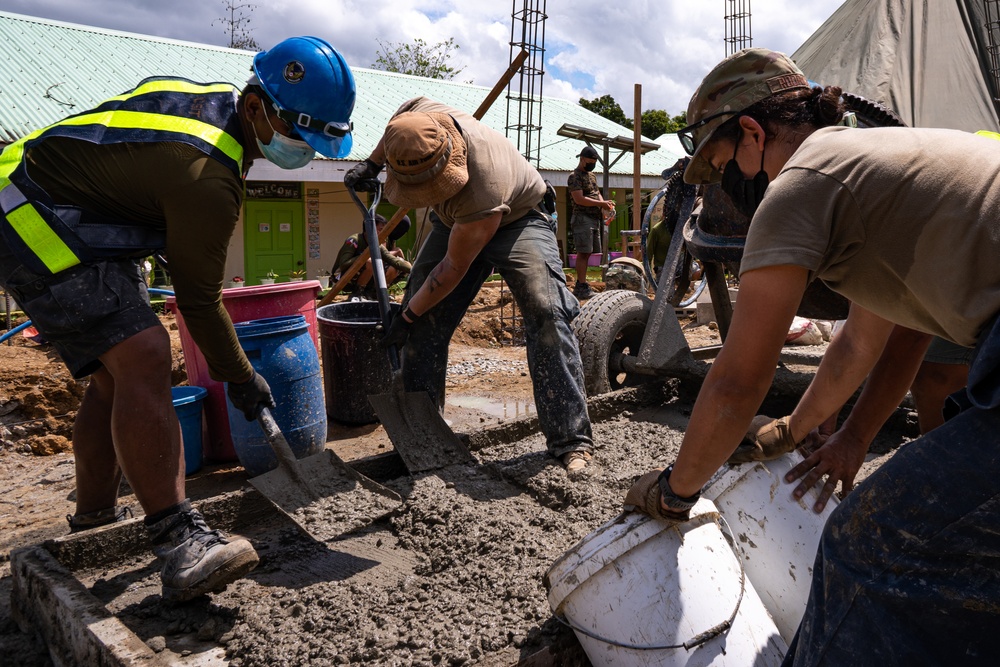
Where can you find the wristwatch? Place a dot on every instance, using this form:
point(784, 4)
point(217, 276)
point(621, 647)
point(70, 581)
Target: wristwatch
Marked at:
point(670, 499)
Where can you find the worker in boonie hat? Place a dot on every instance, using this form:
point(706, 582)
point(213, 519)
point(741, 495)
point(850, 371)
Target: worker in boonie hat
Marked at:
point(158, 169)
point(909, 555)
point(486, 199)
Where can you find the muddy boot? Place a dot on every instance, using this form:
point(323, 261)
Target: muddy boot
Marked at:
point(583, 291)
point(575, 461)
point(197, 560)
point(78, 522)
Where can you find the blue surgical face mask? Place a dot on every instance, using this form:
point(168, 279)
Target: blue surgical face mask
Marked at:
point(285, 152)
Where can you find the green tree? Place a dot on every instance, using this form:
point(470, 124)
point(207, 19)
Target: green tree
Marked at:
point(606, 107)
point(418, 58)
point(656, 122)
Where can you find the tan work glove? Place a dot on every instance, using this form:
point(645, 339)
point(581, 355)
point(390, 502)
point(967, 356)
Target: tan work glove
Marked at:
point(644, 496)
point(766, 439)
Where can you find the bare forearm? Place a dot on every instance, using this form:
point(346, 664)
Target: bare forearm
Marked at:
point(719, 421)
point(849, 359)
point(888, 383)
point(442, 280)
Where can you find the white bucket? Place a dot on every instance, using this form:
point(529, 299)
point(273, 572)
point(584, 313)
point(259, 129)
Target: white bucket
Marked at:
point(776, 533)
point(636, 590)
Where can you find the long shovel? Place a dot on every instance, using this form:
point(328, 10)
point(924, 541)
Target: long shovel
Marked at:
point(320, 493)
point(417, 430)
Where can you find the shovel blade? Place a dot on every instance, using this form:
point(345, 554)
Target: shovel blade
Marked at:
point(326, 497)
point(418, 432)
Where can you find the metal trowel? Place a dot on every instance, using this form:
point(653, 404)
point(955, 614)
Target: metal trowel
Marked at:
point(416, 428)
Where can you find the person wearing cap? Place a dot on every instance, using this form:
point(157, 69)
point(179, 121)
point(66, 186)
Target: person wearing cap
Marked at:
point(485, 196)
point(907, 566)
point(588, 216)
point(395, 264)
point(159, 168)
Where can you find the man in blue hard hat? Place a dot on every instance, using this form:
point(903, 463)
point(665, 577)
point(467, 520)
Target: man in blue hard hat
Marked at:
point(158, 168)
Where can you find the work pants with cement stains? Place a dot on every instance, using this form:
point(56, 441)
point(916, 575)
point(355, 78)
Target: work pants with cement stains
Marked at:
point(908, 568)
point(525, 253)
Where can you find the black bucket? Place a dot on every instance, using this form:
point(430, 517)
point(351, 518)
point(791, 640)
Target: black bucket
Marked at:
point(354, 364)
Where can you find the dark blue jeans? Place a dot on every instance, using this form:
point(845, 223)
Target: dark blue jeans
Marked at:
point(908, 568)
point(524, 252)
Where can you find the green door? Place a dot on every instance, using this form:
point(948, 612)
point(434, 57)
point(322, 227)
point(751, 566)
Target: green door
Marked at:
point(274, 233)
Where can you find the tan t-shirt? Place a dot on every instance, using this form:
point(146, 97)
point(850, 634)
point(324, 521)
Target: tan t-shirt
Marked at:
point(904, 222)
point(501, 180)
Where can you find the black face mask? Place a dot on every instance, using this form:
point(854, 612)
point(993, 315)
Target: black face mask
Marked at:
point(746, 193)
point(590, 166)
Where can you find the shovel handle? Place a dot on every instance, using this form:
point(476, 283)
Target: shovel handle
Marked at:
point(286, 456)
point(378, 273)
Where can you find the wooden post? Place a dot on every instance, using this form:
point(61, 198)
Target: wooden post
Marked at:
point(637, 162)
point(391, 224)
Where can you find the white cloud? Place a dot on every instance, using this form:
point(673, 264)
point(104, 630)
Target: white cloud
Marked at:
point(667, 47)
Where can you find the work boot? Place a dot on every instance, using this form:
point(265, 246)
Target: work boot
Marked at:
point(197, 560)
point(576, 461)
point(583, 291)
point(78, 522)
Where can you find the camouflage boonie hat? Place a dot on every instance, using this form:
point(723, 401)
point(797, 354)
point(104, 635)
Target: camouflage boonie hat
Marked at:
point(742, 79)
point(625, 273)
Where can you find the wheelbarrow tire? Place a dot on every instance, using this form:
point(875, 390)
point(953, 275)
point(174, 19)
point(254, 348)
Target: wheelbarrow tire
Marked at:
point(610, 324)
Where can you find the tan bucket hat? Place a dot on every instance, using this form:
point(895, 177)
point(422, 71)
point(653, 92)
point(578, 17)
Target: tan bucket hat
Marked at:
point(742, 79)
point(425, 159)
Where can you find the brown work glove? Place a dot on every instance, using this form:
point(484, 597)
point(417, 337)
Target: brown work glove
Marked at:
point(644, 496)
point(766, 439)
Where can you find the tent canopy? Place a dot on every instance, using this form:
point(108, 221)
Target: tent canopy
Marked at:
point(928, 60)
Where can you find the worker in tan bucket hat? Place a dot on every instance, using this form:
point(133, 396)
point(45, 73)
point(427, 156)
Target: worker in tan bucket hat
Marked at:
point(486, 216)
point(425, 159)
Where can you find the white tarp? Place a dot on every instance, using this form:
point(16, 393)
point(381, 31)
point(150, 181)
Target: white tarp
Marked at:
point(925, 59)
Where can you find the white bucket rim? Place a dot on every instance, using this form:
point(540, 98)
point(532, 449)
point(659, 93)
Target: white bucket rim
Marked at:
point(634, 529)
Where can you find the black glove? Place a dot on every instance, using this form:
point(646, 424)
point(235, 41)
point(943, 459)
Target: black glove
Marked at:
point(251, 396)
point(399, 331)
point(362, 171)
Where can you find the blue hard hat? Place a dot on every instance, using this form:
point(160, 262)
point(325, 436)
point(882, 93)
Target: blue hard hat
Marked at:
point(312, 89)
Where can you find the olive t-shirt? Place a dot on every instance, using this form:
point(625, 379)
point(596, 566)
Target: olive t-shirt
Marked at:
point(167, 186)
point(501, 180)
point(586, 182)
point(902, 221)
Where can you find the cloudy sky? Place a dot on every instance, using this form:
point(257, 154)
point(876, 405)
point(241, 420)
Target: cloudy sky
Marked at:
point(592, 47)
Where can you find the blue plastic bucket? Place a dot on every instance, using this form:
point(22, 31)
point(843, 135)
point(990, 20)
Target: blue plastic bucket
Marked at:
point(282, 351)
point(187, 404)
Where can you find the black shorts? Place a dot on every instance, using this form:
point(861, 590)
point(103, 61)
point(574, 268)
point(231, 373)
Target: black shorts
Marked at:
point(83, 311)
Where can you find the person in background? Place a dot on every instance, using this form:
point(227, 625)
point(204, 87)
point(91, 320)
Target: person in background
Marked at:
point(393, 261)
point(487, 200)
point(160, 167)
point(913, 553)
point(587, 220)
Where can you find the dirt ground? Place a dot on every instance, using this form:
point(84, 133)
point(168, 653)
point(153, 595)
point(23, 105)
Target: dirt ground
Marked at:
point(457, 530)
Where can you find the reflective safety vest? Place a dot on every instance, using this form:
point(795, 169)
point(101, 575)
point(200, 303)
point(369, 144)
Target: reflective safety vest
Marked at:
point(48, 238)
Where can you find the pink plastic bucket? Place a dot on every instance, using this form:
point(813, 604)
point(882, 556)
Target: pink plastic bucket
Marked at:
point(243, 304)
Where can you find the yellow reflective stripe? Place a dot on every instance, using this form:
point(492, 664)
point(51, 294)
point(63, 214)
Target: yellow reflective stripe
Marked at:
point(38, 236)
point(11, 157)
point(174, 86)
point(137, 120)
point(987, 133)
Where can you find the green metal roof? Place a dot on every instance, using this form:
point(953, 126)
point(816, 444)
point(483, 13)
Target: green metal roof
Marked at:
point(50, 70)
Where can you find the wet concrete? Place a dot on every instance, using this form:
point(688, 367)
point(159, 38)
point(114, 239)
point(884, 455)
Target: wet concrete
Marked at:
point(453, 576)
